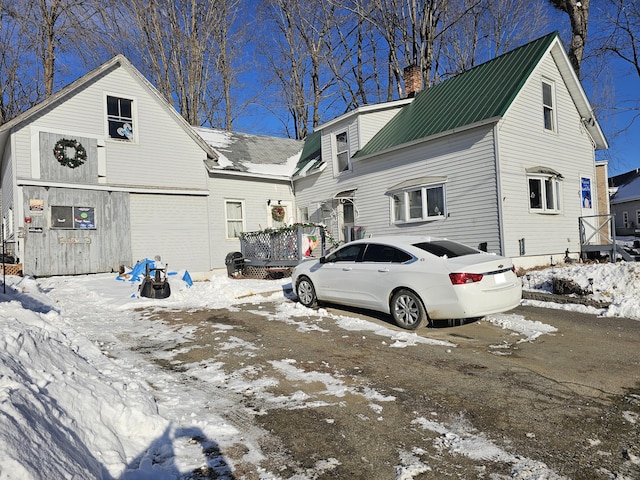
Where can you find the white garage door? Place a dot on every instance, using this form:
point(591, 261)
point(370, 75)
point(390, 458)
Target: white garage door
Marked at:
point(172, 226)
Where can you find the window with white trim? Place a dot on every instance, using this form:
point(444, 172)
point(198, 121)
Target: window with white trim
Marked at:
point(425, 202)
point(234, 217)
point(625, 219)
point(342, 152)
point(637, 218)
point(544, 193)
point(120, 118)
point(548, 105)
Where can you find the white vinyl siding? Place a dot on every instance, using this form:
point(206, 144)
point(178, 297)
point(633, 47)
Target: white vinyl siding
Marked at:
point(521, 147)
point(234, 218)
point(466, 160)
point(164, 155)
point(254, 193)
point(172, 226)
point(548, 105)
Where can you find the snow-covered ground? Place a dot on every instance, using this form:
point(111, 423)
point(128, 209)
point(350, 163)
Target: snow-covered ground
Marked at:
point(76, 399)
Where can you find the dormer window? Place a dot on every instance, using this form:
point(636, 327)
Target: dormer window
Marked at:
point(548, 106)
point(120, 118)
point(342, 152)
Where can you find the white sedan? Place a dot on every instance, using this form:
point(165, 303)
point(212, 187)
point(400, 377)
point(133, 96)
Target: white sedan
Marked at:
point(412, 278)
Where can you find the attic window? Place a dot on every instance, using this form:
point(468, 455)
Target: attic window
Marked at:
point(342, 152)
point(548, 105)
point(120, 118)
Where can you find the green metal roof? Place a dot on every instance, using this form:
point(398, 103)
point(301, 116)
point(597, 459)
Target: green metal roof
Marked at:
point(310, 152)
point(481, 93)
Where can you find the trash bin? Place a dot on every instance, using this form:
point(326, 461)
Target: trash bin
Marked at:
point(235, 263)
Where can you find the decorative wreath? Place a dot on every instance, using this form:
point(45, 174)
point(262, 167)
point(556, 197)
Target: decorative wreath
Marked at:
point(277, 213)
point(60, 152)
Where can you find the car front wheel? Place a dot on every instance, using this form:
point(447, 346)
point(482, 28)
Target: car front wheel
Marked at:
point(407, 309)
point(306, 292)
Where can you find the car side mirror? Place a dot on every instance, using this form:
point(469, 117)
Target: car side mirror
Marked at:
point(323, 259)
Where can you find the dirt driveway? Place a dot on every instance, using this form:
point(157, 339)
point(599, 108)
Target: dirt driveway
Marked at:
point(467, 401)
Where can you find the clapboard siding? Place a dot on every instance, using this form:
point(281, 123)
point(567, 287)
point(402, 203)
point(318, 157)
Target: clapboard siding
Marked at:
point(163, 155)
point(523, 144)
point(370, 123)
point(254, 193)
point(70, 252)
point(467, 160)
point(8, 188)
point(172, 226)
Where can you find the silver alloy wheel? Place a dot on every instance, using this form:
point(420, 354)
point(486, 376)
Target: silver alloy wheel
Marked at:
point(306, 293)
point(407, 309)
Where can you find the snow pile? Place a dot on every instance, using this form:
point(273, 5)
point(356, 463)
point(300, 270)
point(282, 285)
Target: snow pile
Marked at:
point(77, 401)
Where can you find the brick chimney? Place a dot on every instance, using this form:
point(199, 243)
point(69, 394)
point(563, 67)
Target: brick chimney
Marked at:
point(412, 80)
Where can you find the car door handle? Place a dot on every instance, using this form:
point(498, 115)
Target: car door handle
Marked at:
point(347, 269)
point(383, 270)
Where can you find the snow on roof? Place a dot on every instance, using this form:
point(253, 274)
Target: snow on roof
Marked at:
point(253, 154)
point(628, 192)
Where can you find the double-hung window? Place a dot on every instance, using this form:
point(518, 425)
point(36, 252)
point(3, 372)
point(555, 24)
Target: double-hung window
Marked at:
point(120, 118)
point(548, 105)
point(414, 201)
point(234, 213)
point(342, 152)
point(545, 190)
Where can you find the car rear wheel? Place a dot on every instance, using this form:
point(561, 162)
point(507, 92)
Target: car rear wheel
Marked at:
point(306, 292)
point(407, 309)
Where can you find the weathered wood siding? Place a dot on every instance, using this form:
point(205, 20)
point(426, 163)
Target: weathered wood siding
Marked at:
point(467, 160)
point(52, 170)
point(172, 226)
point(254, 193)
point(70, 252)
point(524, 143)
point(162, 157)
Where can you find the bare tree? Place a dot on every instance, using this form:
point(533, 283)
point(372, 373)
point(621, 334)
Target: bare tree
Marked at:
point(297, 56)
point(52, 27)
point(480, 30)
point(19, 89)
point(578, 12)
point(623, 21)
point(177, 44)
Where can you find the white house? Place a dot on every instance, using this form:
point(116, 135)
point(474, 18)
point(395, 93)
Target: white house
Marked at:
point(501, 157)
point(105, 172)
point(250, 186)
point(625, 202)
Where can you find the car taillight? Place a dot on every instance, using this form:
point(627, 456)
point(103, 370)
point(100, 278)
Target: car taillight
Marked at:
point(462, 278)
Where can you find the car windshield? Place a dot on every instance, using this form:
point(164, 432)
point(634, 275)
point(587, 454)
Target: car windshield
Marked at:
point(446, 248)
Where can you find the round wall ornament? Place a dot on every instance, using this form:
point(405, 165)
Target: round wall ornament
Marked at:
point(278, 213)
point(60, 152)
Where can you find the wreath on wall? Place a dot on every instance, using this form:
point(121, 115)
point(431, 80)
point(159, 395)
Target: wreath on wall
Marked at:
point(60, 152)
point(277, 213)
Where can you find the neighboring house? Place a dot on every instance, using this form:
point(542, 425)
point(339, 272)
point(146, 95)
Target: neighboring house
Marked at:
point(105, 172)
point(501, 157)
point(250, 186)
point(625, 202)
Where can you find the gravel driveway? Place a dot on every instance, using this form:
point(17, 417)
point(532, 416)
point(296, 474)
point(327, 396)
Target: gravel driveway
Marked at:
point(462, 401)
